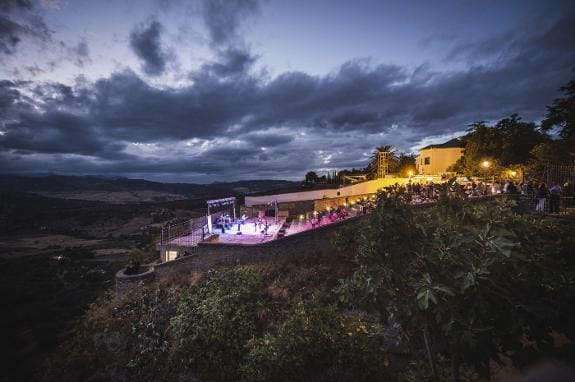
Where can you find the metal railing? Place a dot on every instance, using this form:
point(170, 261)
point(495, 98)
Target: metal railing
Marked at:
point(529, 202)
point(187, 234)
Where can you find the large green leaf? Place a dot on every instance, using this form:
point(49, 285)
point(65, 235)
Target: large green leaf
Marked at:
point(503, 245)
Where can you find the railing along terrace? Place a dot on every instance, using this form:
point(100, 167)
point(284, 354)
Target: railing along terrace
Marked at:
point(187, 233)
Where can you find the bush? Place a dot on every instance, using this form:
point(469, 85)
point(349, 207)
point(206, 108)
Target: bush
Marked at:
point(470, 280)
point(215, 320)
point(316, 343)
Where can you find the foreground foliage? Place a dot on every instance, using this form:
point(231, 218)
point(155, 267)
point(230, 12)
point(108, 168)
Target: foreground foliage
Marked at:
point(470, 282)
point(436, 293)
point(216, 319)
point(315, 342)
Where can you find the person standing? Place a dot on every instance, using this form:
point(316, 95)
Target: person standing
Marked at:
point(541, 195)
point(554, 198)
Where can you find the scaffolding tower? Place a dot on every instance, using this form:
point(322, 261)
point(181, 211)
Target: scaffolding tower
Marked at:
point(382, 164)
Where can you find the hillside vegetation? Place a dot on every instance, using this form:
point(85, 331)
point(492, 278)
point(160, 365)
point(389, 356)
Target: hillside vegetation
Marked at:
point(409, 294)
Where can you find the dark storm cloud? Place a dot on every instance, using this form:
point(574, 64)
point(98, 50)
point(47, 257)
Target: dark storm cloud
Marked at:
point(232, 62)
point(9, 35)
point(133, 110)
point(354, 118)
point(18, 21)
point(145, 41)
point(59, 133)
point(223, 18)
point(341, 116)
point(268, 139)
point(544, 34)
point(336, 101)
point(9, 95)
point(46, 120)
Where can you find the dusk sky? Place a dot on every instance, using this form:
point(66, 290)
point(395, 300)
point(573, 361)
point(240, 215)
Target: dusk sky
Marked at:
point(202, 91)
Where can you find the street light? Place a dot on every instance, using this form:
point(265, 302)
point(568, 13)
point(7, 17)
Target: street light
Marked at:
point(485, 164)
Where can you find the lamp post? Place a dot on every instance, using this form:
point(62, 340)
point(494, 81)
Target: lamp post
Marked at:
point(485, 164)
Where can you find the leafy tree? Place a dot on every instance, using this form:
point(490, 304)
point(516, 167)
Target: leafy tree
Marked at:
point(405, 164)
point(311, 177)
point(506, 144)
point(518, 138)
point(561, 113)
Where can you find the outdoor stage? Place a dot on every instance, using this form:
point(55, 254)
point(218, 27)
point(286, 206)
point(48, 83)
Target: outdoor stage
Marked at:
point(251, 232)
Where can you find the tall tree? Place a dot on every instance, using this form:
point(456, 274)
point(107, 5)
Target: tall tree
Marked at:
point(311, 177)
point(517, 139)
point(405, 164)
point(561, 113)
point(507, 143)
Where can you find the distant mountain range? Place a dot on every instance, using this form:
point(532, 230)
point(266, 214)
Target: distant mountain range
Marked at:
point(59, 186)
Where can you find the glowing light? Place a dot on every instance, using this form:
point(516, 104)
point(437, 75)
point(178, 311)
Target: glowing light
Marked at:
point(410, 173)
point(513, 173)
point(485, 163)
point(301, 217)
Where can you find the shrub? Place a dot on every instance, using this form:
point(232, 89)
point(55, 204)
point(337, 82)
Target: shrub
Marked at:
point(215, 320)
point(467, 281)
point(316, 343)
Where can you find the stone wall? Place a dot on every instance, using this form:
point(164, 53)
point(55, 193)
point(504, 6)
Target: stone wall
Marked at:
point(125, 282)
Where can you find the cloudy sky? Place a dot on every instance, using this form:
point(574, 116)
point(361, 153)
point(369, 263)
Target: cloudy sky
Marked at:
point(202, 91)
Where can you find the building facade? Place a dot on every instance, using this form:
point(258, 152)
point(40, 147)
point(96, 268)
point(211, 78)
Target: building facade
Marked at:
point(436, 159)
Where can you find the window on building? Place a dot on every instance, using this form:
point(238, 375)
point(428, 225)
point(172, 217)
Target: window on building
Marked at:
point(171, 255)
point(427, 160)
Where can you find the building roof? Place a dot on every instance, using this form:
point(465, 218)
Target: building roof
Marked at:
point(454, 143)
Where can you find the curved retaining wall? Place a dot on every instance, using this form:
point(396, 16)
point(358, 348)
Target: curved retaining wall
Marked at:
point(125, 282)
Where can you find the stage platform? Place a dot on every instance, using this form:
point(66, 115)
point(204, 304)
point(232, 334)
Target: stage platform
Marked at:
point(251, 232)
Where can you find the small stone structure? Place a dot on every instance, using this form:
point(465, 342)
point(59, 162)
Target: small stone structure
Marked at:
point(125, 282)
